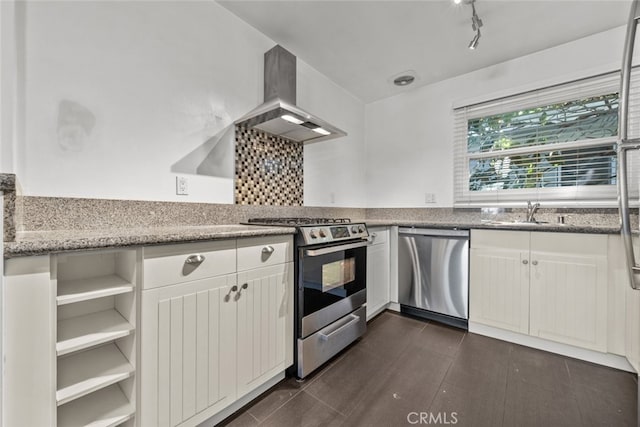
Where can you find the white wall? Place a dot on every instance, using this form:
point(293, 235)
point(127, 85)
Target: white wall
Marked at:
point(162, 78)
point(409, 137)
point(334, 170)
point(8, 85)
point(151, 83)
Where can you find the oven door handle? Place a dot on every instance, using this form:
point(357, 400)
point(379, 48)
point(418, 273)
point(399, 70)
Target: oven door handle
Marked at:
point(333, 249)
point(327, 337)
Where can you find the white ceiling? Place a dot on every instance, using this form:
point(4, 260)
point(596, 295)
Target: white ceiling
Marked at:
point(362, 45)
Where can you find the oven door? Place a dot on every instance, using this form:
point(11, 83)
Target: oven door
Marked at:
point(332, 282)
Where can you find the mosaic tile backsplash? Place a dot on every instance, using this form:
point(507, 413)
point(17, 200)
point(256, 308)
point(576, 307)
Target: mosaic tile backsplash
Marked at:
point(268, 169)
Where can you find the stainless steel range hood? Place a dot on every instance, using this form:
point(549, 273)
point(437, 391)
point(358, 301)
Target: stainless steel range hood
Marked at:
point(279, 114)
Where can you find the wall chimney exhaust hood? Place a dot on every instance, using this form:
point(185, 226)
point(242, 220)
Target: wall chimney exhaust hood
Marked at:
point(279, 115)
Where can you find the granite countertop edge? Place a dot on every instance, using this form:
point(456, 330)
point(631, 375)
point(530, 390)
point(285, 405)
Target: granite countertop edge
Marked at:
point(560, 228)
point(48, 242)
point(7, 182)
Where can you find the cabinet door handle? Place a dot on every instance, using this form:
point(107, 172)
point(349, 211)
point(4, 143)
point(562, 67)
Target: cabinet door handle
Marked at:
point(268, 249)
point(195, 259)
point(227, 297)
point(534, 262)
point(239, 294)
point(525, 262)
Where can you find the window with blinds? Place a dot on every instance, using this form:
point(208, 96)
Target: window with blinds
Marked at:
point(555, 145)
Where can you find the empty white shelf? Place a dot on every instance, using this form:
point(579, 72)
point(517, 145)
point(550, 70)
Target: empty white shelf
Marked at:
point(82, 332)
point(94, 287)
point(85, 372)
point(104, 408)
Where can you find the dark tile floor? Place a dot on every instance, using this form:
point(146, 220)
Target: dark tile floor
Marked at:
point(405, 368)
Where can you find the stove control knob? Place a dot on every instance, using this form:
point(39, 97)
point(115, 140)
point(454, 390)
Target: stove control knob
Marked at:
point(354, 229)
point(313, 234)
point(361, 229)
point(322, 233)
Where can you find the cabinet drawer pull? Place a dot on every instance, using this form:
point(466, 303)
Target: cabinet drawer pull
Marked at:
point(534, 262)
point(195, 259)
point(268, 249)
point(525, 262)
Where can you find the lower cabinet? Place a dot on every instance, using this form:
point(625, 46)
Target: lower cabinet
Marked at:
point(70, 339)
point(548, 285)
point(499, 280)
point(378, 274)
point(188, 352)
point(208, 342)
point(568, 289)
point(264, 325)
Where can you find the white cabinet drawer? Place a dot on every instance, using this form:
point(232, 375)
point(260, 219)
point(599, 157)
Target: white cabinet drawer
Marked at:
point(171, 264)
point(264, 251)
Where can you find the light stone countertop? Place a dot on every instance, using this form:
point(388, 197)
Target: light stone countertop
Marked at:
point(45, 242)
point(500, 225)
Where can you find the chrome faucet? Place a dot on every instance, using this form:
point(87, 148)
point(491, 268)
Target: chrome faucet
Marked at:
point(531, 210)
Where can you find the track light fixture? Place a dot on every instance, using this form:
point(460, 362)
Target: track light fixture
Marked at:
point(474, 41)
point(476, 22)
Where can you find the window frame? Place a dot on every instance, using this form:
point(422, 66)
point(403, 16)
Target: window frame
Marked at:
point(569, 196)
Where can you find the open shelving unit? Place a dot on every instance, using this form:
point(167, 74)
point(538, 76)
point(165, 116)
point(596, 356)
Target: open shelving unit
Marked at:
point(84, 372)
point(106, 407)
point(96, 287)
point(95, 343)
point(89, 330)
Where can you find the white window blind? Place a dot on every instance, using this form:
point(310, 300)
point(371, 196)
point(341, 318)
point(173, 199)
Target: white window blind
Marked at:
point(554, 145)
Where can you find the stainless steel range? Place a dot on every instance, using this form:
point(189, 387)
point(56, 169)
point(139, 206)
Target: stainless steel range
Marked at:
point(331, 284)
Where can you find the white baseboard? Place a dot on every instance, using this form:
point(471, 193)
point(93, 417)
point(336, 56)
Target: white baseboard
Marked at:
point(394, 306)
point(605, 359)
point(376, 312)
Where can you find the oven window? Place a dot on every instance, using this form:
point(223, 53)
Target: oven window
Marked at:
point(329, 278)
point(338, 273)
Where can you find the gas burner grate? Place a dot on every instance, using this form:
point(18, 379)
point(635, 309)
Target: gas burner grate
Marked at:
point(298, 221)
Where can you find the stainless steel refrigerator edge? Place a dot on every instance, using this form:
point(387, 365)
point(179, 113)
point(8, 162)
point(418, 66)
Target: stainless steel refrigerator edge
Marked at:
point(433, 274)
point(625, 144)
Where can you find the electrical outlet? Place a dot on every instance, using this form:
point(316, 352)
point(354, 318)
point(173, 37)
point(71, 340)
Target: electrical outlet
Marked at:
point(182, 188)
point(429, 197)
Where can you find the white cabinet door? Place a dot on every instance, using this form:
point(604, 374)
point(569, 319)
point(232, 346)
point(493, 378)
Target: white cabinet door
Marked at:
point(499, 288)
point(569, 299)
point(378, 276)
point(568, 289)
point(188, 351)
point(265, 324)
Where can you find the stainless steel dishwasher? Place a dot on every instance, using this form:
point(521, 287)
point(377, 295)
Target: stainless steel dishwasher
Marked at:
point(433, 274)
